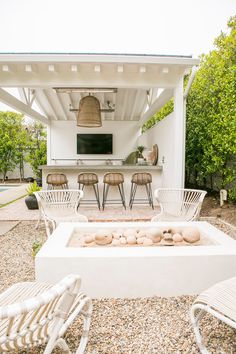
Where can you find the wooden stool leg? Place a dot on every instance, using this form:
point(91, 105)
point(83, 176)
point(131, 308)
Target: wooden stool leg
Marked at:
point(131, 193)
point(105, 193)
point(122, 194)
point(150, 193)
point(133, 196)
point(96, 192)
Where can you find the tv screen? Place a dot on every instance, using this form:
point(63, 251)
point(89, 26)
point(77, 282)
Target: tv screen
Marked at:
point(94, 143)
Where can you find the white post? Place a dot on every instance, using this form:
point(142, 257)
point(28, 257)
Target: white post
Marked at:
point(49, 158)
point(179, 136)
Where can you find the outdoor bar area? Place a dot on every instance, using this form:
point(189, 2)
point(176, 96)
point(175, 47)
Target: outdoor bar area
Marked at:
point(128, 90)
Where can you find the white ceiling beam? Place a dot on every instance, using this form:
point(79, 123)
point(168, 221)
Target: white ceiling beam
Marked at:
point(97, 68)
point(18, 105)
point(59, 99)
point(71, 104)
point(120, 68)
point(45, 96)
point(142, 69)
point(114, 103)
point(136, 100)
point(164, 97)
point(74, 68)
point(124, 104)
point(154, 94)
point(51, 68)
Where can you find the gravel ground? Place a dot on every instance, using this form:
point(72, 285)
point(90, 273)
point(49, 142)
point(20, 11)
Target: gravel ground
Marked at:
point(140, 326)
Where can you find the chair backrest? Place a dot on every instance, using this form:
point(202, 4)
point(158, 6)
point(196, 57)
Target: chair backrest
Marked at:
point(181, 203)
point(63, 201)
point(56, 179)
point(32, 321)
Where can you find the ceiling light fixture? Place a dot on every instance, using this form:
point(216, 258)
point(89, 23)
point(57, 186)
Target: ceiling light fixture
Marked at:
point(85, 89)
point(89, 113)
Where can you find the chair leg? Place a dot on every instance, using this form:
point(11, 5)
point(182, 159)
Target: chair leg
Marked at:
point(96, 192)
point(150, 193)
point(105, 193)
point(195, 322)
point(122, 195)
point(133, 195)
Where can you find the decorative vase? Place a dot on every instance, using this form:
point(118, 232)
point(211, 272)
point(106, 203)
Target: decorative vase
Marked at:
point(31, 202)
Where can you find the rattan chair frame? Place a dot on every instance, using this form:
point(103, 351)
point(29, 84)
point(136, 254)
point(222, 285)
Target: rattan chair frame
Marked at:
point(57, 206)
point(35, 313)
point(179, 204)
point(219, 301)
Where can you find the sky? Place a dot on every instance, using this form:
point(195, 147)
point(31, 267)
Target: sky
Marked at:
point(181, 27)
point(185, 27)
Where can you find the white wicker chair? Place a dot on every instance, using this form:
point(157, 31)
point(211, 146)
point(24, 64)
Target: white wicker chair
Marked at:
point(178, 204)
point(57, 206)
point(34, 313)
point(220, 302)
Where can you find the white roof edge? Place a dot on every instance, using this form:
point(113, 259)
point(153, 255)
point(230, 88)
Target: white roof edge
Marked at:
point(98, 58)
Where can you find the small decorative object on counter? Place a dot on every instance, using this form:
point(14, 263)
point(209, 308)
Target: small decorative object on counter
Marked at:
point(152, 156)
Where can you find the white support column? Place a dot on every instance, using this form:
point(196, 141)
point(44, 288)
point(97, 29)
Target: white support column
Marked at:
point(49, 157)
point(179, 136)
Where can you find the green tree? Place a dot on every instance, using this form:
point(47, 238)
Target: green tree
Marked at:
point(13, 141)
point(211, 115)
point(37, 154)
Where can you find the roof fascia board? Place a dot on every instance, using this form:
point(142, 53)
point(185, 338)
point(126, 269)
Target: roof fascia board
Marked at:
point(80, 58)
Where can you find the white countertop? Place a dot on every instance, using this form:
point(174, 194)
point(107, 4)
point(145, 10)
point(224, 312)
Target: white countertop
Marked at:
point(100, 167)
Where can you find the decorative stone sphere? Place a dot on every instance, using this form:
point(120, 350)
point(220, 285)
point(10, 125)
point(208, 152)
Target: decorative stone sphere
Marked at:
point(115, 242)
point(155, 235)
point(191, 234)
point(103, 237)
point(131, 240)
point(168, 236)
point(142, 233)
point(147, 242)
point(177, 237)
point(140, 240)
point(165, 242)
point(89, 238)
point(123, 241)
point(116, 235)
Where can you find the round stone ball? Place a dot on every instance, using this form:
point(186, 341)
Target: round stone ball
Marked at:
point(147, 242)
point(131, 240)
point(103, 237)
point(115, 242)
point(177, 237)
point(191, 234)
point(89, 238)
point(155, 235)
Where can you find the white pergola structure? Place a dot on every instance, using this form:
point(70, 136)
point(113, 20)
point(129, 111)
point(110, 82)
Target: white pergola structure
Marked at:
point(144, 84)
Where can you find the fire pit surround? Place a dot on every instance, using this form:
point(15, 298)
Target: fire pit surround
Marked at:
point(133, 237)
point(139, 270)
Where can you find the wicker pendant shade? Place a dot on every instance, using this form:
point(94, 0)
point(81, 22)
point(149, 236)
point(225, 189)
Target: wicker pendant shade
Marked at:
point(89, 114)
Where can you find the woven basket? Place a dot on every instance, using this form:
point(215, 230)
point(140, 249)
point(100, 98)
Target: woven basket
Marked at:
point(89, 114)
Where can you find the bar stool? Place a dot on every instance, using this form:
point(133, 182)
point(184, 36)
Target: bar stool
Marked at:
point(89, 179)
point(114, 180)
point(141, 179)
point(57, 180)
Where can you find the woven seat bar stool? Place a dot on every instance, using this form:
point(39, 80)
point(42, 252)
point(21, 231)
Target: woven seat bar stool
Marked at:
point(141, 179)
point(89, 179)
point(111, 179)
point(57, 181)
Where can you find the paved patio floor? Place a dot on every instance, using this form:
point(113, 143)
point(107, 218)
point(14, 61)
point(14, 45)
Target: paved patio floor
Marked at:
point(18, 211)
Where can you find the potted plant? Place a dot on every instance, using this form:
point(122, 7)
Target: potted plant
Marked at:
point(31, 200)
point(140, 149)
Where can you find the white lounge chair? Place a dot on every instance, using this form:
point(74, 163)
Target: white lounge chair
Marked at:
point(57, 206)
point(178, 204)
point(34, 313)
point(220, 302)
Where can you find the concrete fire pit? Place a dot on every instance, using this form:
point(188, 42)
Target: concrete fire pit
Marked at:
point(138, 271)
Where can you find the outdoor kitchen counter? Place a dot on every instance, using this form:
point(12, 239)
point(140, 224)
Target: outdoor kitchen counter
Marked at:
point(72, 171)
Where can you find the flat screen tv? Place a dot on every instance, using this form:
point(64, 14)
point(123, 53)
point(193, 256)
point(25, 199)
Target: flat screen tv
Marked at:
point(94, 144)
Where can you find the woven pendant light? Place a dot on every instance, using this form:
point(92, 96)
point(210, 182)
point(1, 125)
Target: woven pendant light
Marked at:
point(89, 114)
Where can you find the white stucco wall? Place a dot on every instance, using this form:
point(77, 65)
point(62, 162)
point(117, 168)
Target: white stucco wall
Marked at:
point(63, 143)
point(162, 134)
